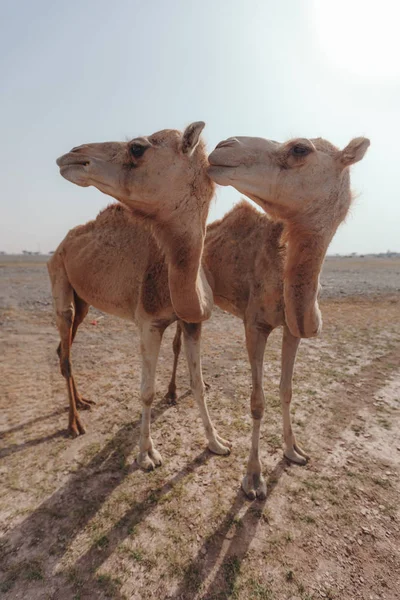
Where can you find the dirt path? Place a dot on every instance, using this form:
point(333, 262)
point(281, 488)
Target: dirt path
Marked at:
point(78, 520)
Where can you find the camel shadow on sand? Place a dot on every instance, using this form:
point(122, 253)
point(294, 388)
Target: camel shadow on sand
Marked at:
point(49, 530)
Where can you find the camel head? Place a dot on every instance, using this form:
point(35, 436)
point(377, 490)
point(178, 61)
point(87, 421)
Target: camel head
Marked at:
point(162, 177)
point(305, 183)
point(147, 173)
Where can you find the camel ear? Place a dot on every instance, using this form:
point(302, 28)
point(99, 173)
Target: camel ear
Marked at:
point(191, 136)
point(354, 151)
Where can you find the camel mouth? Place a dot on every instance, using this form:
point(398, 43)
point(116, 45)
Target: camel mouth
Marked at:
point(222, 157)
point(219, 158)
point(221, 174)
point(65, 168)
point(215, 169)
point(72, 160)
point(213, 163)
point(74, 169)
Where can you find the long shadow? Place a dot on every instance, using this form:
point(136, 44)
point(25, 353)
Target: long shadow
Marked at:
point(61, 517)
point(47, 533)
point(50, 529)
point(18, 447)
point(228, 552)
point(32, 421)
point(217, 564)
point(87, 565)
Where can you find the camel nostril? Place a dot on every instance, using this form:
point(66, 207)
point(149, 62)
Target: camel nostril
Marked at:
point(226, 143)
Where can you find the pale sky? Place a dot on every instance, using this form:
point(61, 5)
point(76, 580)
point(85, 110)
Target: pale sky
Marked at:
point(94, 70)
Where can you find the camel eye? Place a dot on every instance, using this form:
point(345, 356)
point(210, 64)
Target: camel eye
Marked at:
point(299, 150)
point(137, 150)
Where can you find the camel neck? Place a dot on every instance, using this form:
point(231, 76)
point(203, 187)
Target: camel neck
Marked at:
point(191, 295)
point(305, 253)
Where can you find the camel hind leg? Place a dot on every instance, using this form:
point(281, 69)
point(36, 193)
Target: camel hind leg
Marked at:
point(191, 337)
point(81, 310)
point(170, 396)
point(64, 303)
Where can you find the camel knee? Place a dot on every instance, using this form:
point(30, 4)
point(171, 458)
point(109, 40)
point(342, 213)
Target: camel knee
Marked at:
point(197, 387)
point(65, 317)
point(257, 412)
point(147, 398)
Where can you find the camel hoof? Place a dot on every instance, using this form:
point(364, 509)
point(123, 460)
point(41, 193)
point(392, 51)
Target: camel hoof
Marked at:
point(84, 404)
point(149, 460)
point(156, 457)
point(219, 446)
point(254, 486)
point(223, 441)
point(76, 430)
point(300, 451)
point(296, 455)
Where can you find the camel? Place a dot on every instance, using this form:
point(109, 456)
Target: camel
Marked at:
point(142, 262)
point(266, 271)
point(265, 267)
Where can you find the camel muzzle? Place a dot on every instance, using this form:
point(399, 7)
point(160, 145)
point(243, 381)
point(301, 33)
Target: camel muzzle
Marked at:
point(69, 159)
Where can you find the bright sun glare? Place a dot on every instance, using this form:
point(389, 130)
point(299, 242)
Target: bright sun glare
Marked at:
point(360, 36)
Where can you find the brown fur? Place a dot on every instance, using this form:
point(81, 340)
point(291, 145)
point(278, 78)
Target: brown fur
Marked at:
point(250, 243)
point(155, 293)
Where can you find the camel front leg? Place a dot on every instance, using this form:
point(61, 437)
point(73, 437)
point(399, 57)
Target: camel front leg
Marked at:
point(191, 337)
point(150, 341)
point(253, 483)
point(290, 345)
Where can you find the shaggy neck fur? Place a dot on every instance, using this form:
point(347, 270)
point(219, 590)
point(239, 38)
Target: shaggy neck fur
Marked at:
point(183, 243)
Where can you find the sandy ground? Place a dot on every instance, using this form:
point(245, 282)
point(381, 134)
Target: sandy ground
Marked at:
point(79, 520)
